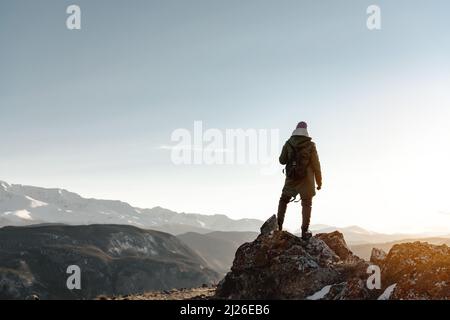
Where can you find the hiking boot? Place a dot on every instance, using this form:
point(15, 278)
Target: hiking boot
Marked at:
point(280, 226)
point(306, 235)
point(280, 219)
point(306, 218)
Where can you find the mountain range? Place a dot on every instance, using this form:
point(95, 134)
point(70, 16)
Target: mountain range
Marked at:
point(27, 205)
point(22, 205)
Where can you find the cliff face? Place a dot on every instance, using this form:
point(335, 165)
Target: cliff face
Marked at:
point(279, 265)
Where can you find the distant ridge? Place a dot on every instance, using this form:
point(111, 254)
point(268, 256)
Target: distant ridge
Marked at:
point(27, 205)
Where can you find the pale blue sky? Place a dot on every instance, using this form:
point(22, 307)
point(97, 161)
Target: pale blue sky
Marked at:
point(87, 110)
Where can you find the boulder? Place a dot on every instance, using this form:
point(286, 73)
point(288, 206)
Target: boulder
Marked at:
point(279, 265)
point(270, 225)
point(335, 241)
point(421, 271)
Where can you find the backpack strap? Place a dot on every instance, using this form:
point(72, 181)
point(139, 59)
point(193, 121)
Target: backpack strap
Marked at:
point(292, 147)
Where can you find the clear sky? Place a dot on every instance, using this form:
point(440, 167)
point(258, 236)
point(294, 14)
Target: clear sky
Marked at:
point(88, 110)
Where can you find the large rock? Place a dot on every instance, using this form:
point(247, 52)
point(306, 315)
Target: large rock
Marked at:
point(353, 289)
point(419, 271)
point(270, 225)
point(335, 240)
point(279, 265)
point(377, 256)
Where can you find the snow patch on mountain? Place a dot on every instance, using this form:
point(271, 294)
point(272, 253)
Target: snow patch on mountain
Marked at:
point(24, 214)
point(4, 185)
point(36, 203)
point(320, 294)
point(387, 293)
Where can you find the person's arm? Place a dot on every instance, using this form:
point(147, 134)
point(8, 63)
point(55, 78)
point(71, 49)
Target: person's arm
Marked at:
point(284, 155)
point(315, 162)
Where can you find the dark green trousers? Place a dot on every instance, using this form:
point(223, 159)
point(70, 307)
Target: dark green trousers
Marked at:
point(306, 211)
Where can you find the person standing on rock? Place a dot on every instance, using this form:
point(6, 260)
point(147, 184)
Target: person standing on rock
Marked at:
point(303, 171)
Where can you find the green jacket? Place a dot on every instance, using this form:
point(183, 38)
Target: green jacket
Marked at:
point(306, 187)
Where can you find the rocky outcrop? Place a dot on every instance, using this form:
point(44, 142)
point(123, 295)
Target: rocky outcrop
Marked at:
point(279, 265)
point(418, 270)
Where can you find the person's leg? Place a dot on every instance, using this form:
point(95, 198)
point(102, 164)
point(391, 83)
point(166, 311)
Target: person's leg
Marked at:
point(306, 217)
point(282, 206)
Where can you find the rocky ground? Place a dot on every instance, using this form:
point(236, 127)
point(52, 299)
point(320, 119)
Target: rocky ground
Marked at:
point(175, 294)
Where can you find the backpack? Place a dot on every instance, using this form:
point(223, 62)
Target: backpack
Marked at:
point(298, 161)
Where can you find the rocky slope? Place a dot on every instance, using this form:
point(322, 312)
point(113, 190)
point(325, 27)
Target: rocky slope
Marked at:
point(114, 260)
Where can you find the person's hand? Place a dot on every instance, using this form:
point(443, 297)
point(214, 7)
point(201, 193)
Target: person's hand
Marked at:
point(319, 187)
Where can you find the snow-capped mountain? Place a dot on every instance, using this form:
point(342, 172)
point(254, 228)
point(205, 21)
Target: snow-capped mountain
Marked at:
point(25, 205)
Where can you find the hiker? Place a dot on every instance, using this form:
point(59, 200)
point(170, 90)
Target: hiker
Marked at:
point(302, 170)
